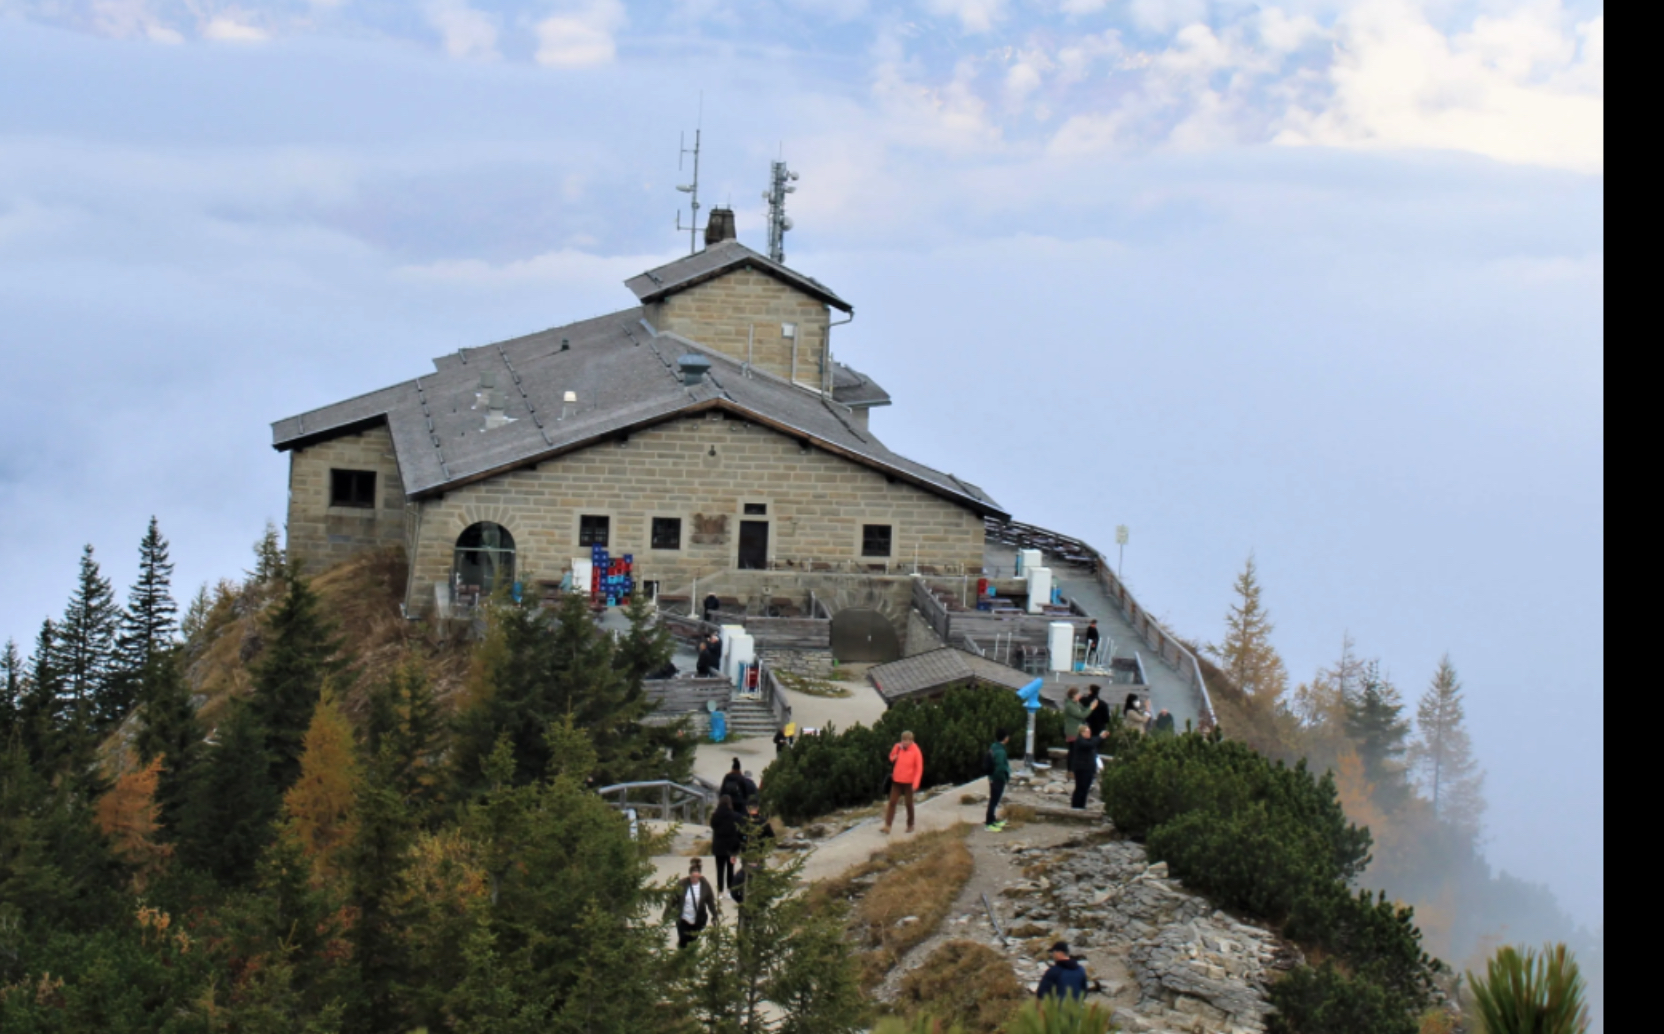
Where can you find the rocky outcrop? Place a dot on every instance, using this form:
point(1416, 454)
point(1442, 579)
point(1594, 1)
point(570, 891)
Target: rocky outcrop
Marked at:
point(1197, 969)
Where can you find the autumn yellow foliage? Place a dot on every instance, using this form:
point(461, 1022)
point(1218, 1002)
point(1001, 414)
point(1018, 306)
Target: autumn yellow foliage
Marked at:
point(318, 809)
point(127, 814)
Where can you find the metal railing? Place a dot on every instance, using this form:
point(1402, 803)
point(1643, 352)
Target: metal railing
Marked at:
point(661, 799)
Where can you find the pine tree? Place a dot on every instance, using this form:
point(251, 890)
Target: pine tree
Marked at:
point(405, 734)
point(1249, 658)
point(289, 676)
point(228, 818)
point(1442, 753)
point(1376, 725)
point(170, 731)
point(196, 614)
point(40, 713)
point(150, 622)
point(86, 649)
point(11, 691)
point(318, 810)
point(1319, 706)
point(270, 564)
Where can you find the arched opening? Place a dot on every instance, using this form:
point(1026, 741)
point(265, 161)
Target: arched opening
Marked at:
point(859, 635)
point(483, 561)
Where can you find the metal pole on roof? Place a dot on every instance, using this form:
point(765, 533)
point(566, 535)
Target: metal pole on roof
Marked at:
point(692, 188)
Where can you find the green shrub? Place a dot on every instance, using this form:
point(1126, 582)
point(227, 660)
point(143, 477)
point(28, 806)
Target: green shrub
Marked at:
point(1327, 1001)
point(846, 768)
point(1526, 993)
point(1373, 937)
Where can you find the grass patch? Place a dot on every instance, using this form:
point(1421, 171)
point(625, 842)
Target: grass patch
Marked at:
point(810, 686)
point(964, 983)
point(900, 896)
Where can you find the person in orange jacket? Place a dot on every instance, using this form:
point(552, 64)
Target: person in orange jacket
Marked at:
point(906, 772)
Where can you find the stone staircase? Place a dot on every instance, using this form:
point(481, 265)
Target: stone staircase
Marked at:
point(747, 718)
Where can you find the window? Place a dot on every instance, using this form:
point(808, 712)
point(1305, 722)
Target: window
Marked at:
point(667, 533)
point(353, 488)
point(592, 529)
point(875, 539)
point(756, 509)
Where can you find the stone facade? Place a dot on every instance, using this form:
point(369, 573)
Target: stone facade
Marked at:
point(705, 471)
point(741, 314)
point(319, 534)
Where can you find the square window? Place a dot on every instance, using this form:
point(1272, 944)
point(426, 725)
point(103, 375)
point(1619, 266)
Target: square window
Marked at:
point(756, 509)
point(593, 529)
point(356, 488)
point(875, 539)
point(667, 533)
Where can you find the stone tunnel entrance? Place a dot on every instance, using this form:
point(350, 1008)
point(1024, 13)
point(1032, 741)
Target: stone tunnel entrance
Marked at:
point(861, 635)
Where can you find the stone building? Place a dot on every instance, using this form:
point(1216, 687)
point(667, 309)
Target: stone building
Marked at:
point(705, 431)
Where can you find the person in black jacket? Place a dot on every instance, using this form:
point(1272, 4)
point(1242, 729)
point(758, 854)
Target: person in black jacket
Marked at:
point(755, 831)
point(726, 842)
point(1065, 979)
point(733, 784)
point(1083, 762)
point(694, 905)
point(1097, 718)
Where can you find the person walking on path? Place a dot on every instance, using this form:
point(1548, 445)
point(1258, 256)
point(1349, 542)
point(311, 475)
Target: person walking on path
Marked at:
point(696, 904)
point(999, 773)
point(1065, 978)
point(756, 832)
point(1097, 714)
point(906, 772)
point(733, 786)
point(1083, 762)
point(1074, 714)
point(725, 840)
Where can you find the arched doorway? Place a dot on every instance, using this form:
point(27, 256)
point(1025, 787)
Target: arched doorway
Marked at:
point(860, 635)
point(484, 560)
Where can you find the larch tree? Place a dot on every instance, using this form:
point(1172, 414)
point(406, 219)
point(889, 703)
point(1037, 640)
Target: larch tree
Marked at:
point(86, 648)
point(270, 563)
point(1376, 725)
point(298, 656)
point(1441, 755)
point(1247, 654)
point(318, 809)
point(127, 814)
point(196, 614)
point(151, 621)
point(1319, 706)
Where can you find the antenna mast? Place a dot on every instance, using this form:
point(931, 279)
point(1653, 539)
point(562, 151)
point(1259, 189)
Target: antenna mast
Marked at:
point(691, 189)
point(780, 184)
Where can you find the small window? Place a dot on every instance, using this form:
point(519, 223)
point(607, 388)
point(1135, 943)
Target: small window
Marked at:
point(875, 539)
point(756, 509)
point(353, 488)
point(593, 529)
point(667, 533)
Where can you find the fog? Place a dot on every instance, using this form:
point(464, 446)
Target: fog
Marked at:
point(1375, 361)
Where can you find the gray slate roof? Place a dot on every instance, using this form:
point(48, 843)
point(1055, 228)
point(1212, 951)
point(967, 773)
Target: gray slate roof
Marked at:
point(719, 259)
point(854, 388)
point(930, 671)
point(625, 379)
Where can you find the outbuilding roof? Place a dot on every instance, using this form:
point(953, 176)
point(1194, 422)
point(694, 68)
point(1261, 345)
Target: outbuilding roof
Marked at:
point(934, 670)
point(718, 259)
point(624, 377)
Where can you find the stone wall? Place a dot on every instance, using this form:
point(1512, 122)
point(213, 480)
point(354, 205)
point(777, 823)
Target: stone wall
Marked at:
point(921, 638)
point(813, 664)
point(741, 314)
point(704, 471)
point(320, 534)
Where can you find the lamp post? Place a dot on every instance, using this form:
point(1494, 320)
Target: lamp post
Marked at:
point(1121, 536)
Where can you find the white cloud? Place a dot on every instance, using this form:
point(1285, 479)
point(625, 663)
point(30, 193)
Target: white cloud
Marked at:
point(129, 19)
point(580, 36)
point(465, 32)
point(1166, 15)
point(228, 28)
point(1516, 88)
point(974, 15)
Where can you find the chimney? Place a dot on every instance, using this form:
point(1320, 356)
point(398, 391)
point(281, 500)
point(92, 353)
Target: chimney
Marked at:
point(496, 414)
point(568, 402)
point(693, 367)
point(721, 227)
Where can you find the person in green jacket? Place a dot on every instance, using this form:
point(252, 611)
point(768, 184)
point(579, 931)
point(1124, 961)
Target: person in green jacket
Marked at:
point(1074, 714)
point(999, 773)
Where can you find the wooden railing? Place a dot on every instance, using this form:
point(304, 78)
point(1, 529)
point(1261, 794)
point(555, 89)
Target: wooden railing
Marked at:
point(661, 799)
point(1071, 550)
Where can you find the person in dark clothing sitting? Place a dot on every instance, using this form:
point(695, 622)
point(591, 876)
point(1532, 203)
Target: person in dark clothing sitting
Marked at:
point(725, 840)
point(1164, 723)
point(1083, 762)
point(1066, 978)
point(711, 606)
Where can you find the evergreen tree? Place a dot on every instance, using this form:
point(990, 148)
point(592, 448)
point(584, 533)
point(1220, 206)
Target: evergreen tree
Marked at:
point(56, 871)
point(86, 649)
point(1442, 754)
point(150, 622)
point(289, 676)
point(11, 691)
point(1376, 725)
point(270, 563)
point(40, 712)
point(376, 862)
point(169, 730)
point(405, 732)
point(232, 804)
point(196, 614)
point(1249, 658)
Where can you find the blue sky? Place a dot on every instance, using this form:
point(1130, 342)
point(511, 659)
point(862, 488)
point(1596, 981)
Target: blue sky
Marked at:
point(1322, 280)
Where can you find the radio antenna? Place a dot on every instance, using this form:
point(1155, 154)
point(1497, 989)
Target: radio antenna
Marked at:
point(780, 182)
point(691, 188)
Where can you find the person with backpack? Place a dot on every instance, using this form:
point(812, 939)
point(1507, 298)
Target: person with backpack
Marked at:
point(1066, 978)
point(1083, 762)
point(694, 905)
point(733, 786)
point(906, 773)
point(996, 765)
point(725, 840)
